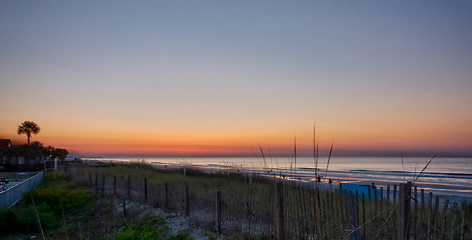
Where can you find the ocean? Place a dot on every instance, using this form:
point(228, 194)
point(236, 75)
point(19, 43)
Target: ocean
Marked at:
point(446, 177)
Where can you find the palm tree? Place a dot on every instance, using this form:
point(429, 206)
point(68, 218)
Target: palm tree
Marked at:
point(28, 128)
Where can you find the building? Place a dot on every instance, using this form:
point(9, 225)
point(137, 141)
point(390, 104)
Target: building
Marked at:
point(5, 143)
point(20, 158)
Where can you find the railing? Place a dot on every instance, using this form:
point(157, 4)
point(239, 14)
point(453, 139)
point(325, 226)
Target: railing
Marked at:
point(12, 195)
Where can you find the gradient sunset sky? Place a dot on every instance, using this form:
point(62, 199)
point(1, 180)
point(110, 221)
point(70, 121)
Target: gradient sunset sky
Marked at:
point(222, 77)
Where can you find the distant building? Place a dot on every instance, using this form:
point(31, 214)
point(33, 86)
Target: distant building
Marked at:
point(5, 143)
point(19, 158)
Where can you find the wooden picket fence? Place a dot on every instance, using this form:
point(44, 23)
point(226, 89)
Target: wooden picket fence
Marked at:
point(289, 210)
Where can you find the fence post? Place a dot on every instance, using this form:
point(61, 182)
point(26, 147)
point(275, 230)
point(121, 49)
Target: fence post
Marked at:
point(96, 182)
point(129, 187)
point(395, 215)
point(464, 209)
point(423, 209)
point(375, 217)
point(369, 203)
point(357, 213)
point(103, 183)
point(430, 207)
point(124, 207)
point(404, 198)
point(186, 200)
point(382, 227)
point(279, 211)
point(454, 215)
point(415, 218)
point(363, 217)
point(218, 211)
point(443, 228)
point(166, 194)
point(145, 190)
point(114, 185)
point(436, 210)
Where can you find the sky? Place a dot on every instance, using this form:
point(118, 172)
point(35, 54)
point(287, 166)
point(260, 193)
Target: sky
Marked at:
point(221, 78)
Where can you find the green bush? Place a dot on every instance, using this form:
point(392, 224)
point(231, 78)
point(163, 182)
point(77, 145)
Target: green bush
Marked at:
point(148, 228)
point(59, 199)
point(24, 220)
point(7, 216)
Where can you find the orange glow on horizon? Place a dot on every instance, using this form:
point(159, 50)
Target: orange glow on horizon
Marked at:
point(96, 141)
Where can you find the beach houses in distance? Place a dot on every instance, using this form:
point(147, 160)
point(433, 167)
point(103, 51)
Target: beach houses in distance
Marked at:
point(5, 143)
point(20, 158)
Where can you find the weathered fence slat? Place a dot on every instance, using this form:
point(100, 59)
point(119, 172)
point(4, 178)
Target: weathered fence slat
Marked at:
point(381, 212)
point(166, 195)
point(430, 209)
point(394, 215)
point(387, 212)
point(464, 208)
point(145, 190)
point(96, 182)
point(186, 199)
point(422, 215)
point(453, 224)
point(129, 187)
point(404, 211)
point(364, 236)
point(357, 212)
point(103, 183)
point(279, 214)
point(124, 207)
point(443, 227)
point(370, 211)
point(218, 211)
point(415, 215)
point(436, 213)
point(376, 209)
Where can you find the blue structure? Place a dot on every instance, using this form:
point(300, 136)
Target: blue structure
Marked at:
point(360, 189)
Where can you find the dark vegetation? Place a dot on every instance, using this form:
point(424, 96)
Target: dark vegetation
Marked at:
point(85, 202)
point(67, 209)
point(34, 151)
point(57, 194)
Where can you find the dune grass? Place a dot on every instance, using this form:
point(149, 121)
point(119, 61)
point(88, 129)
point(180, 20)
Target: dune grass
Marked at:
point(249, 208)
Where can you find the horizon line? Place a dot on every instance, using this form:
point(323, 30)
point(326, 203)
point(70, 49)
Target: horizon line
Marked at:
point(352, 154)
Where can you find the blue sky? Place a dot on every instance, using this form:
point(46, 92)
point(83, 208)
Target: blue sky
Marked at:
point(374, 75)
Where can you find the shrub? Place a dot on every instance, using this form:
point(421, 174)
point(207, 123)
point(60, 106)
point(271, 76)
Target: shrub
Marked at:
point(7, 217)
point(24, 220)
point(148, 228)
point(59, 199)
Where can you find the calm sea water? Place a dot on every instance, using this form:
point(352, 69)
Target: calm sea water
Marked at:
point(450, 177)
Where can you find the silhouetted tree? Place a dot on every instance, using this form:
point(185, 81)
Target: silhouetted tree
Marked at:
point(28, 128)
point(60, 153)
